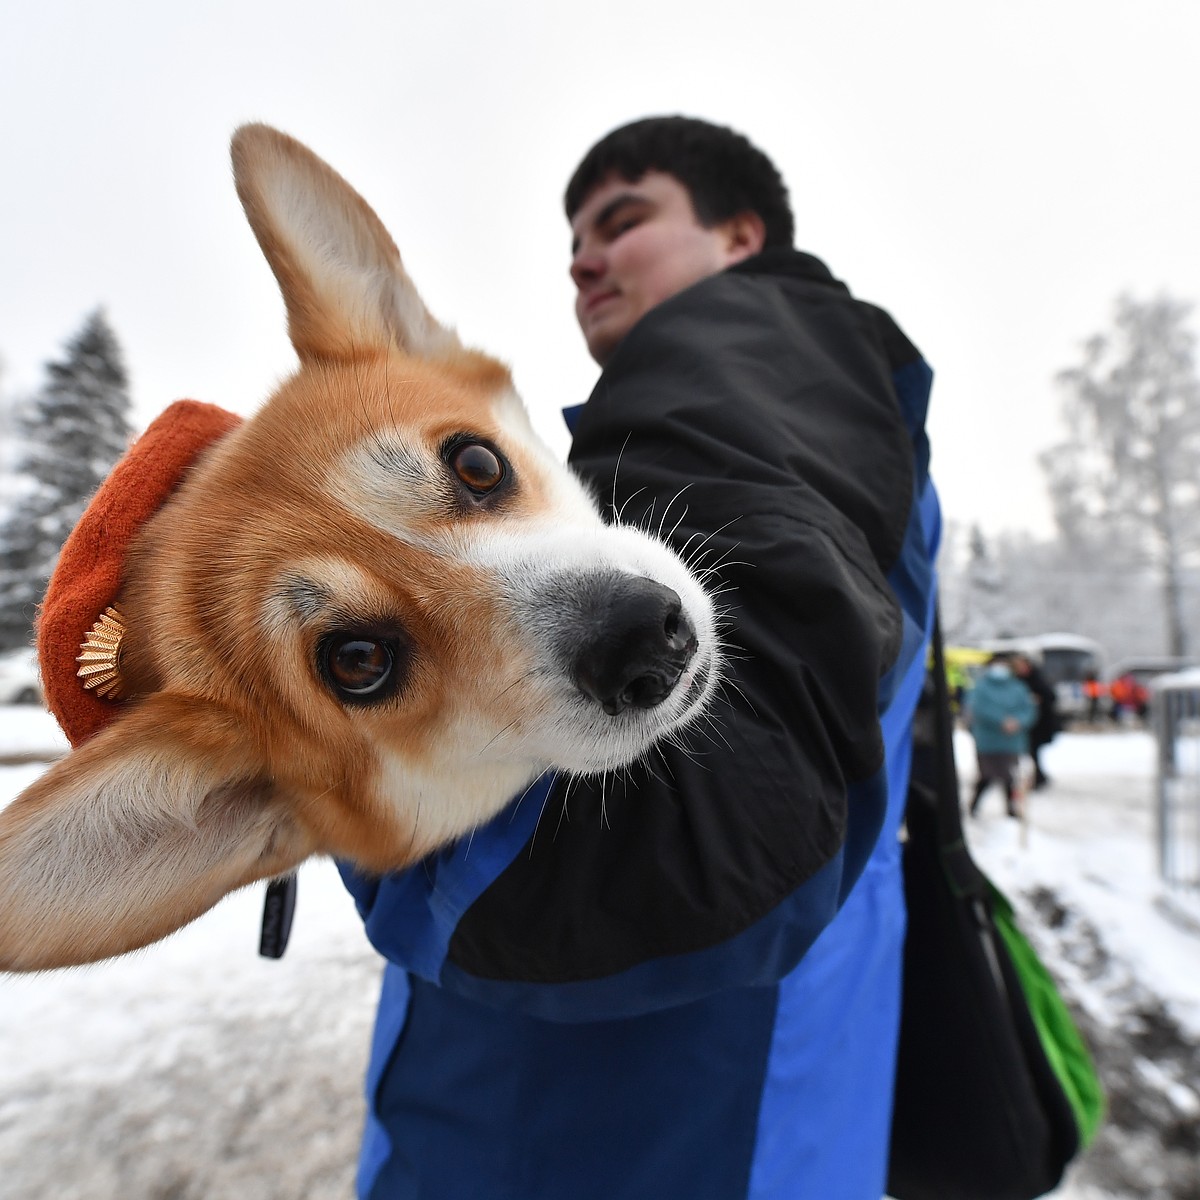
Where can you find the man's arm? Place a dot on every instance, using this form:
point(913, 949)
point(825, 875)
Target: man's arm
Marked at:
point(771, 446)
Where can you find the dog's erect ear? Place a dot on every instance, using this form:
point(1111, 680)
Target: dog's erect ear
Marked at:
point(345, 288)
point(139, 831)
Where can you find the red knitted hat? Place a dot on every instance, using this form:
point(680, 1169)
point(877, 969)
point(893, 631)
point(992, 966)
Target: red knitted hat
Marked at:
point(87, 577)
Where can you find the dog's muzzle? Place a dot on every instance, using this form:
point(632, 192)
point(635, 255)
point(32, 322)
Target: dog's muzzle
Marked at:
point(636, 644)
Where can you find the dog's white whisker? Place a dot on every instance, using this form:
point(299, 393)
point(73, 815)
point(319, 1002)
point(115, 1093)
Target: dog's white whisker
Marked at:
point(684, 550)
point(538, 823)
point(666, 510)
point(716, 533)
point(710, 726)
point(656, 752)
point(563, 814)
point(719, 564)
point(521, 800)
point(732, 685)
point(612, 503)
point(686, 750)
point(674, 528)
point(497, 736)
point(620, 516)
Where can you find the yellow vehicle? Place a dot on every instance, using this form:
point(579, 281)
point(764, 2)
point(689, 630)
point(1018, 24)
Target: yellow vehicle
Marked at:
point(963, 663)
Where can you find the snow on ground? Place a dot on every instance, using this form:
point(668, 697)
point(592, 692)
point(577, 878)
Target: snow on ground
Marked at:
point(1091, 838)
point(195, 1069)
point(27, 729)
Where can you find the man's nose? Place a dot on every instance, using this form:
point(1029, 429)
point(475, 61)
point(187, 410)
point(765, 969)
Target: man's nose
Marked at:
point(586, 267)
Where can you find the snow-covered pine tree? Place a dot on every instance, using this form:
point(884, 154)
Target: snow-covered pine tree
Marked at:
point(982, 595)
point(70, 434)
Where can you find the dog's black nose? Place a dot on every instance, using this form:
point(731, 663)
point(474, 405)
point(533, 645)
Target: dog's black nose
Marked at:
point(638, 647)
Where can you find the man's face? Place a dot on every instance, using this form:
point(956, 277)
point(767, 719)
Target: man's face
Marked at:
point(634, 245)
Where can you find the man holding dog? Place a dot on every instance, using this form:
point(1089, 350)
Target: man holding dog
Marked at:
point(686, 982)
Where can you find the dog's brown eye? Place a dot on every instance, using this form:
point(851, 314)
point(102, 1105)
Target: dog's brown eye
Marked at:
point(481, 469)
point(358, 668)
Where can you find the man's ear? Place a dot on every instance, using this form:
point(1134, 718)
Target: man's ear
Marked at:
point(745, 236)
point(136, 833)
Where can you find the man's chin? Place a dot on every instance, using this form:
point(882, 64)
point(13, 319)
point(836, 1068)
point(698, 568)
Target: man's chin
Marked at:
point(602, 339)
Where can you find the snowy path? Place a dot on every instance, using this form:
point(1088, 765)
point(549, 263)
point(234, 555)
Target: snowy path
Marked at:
point(197, 1070)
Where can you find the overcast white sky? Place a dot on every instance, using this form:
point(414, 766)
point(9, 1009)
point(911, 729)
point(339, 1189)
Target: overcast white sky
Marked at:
point(992, 174)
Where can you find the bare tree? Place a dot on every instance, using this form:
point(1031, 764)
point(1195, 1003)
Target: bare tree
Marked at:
point(1125, 483)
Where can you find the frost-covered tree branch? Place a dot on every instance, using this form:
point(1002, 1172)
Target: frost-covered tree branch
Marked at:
point(1124, 483)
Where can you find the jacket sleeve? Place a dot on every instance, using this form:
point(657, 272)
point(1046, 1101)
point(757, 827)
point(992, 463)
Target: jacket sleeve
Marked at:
point(762, 429)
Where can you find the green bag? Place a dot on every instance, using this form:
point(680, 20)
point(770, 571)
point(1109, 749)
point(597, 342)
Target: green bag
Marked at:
point(1062, 1043)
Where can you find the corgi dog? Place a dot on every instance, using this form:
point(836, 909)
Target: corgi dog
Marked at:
point(368, 617)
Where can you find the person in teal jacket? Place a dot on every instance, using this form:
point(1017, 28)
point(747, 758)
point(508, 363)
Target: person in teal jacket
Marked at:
point(1002, 709)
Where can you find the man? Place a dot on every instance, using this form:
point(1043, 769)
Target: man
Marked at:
point(1047, 722)
point(664, 985)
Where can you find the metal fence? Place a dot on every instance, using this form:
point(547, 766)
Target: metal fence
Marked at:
point(1176, 714)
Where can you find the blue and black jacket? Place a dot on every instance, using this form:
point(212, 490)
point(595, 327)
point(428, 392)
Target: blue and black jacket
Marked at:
point(686, 984)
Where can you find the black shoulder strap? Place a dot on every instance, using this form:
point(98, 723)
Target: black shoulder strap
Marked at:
point(965, 877)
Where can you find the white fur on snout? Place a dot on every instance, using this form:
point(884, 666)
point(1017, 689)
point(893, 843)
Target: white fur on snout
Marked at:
point(568, 729)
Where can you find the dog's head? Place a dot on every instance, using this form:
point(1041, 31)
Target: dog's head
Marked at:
point(368, 617)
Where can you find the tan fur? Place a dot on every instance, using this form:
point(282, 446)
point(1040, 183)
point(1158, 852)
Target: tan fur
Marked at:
point(232, 761)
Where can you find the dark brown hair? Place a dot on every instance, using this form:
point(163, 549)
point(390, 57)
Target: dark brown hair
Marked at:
point(724, 173)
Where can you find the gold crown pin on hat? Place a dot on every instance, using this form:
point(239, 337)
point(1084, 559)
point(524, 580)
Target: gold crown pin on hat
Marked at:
point(100, 662)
